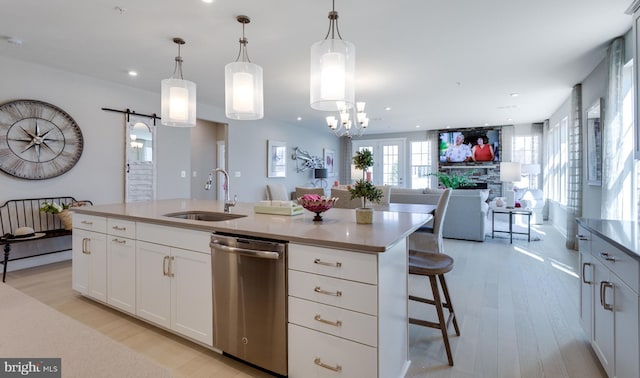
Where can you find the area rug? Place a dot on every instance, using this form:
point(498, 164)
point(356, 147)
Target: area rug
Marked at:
point(32, 330)
point(502, 224)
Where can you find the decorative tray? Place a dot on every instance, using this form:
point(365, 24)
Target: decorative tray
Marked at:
point(279, 210)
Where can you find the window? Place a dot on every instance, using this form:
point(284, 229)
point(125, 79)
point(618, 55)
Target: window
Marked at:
point(388, 158)
point(526, 150)
point(420, 164)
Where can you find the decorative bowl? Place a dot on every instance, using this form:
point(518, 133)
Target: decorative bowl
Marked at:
point(316, 204)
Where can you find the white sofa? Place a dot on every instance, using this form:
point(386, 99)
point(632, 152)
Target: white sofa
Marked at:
point(466, 214)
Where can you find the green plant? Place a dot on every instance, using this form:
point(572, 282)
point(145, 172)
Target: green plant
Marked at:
point(454, 180)
point(363, 160)
point(52, 208)
point(367, 191)
point(364, 189)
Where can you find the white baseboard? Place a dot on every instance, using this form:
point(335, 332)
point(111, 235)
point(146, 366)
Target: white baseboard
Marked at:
point(31, 262)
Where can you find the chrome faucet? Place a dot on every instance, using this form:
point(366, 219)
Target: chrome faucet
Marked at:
point(227, 201)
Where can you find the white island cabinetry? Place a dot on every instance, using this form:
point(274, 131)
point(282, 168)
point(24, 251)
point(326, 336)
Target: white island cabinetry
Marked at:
point(121, 264)
point(173, 284)
point(347, 312)
point(89, 268)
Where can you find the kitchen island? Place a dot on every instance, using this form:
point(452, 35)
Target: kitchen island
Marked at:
point(346, 282)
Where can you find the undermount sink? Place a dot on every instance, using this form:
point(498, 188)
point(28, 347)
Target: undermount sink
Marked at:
point(208, 216)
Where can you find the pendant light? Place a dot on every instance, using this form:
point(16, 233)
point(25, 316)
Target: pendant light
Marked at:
point(332, 70)
point(178, 96)
point(243, 84)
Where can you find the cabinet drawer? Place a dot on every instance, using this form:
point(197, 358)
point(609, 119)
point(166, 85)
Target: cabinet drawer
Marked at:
point(174, 237)
point(90, 222)
point(350, 295)
point(318, 355)
point(354, 266)
point(336, 321)
point(121, 227)
point(620, 263)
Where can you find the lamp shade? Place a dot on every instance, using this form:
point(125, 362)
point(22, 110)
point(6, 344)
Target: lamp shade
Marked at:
point(332, 75)
point(178, 103)
point(509, 172)
point(243, 91)
point(321, 173)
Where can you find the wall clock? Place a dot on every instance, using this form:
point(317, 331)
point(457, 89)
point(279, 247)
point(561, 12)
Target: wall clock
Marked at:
point(37, 140)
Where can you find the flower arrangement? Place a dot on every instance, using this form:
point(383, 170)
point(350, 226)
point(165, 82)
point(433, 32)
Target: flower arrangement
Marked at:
point(52, 208)
point(316, 204)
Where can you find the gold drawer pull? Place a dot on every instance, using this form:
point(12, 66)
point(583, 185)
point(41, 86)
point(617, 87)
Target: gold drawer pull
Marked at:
point(317, 289)
point(85, 246)
point(87, 222)
point(336, 368)
point(119, 241)
point(337, 323)
point(337, 264)
point(119, 228)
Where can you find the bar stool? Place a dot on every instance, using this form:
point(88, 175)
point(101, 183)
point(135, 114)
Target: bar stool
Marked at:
point(434, 265)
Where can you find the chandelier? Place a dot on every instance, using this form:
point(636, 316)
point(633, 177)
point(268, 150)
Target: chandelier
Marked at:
point(332, 70)
point(243, 84)
point(178, 96)
point(344, 125)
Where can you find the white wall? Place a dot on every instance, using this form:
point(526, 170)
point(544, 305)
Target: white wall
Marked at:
point(99, 174)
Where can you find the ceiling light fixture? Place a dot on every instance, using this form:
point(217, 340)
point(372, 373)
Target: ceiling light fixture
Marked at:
point(243, 84)
point(332, 70)
point(178, 96)
point(345, 126)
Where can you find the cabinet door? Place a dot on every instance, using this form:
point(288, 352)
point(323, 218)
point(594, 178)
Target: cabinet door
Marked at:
point(626, 330)
point(587, 284)
point(121, 273)
point(191, 312)
point(602, 340)
point(153, 284)
point(89, 268)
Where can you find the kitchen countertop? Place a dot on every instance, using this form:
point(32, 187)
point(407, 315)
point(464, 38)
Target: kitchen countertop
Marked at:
point(337, 230)
point(622, 234)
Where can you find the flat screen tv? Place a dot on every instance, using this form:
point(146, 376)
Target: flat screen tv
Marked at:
point(473, 145)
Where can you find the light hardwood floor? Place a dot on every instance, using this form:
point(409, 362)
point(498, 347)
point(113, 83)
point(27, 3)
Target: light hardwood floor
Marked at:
point(517, 306)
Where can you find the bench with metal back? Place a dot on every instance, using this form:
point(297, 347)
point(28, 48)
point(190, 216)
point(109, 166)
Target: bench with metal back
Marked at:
point(26, 213)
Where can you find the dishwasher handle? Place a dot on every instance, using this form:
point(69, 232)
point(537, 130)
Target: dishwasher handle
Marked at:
point(215, 244)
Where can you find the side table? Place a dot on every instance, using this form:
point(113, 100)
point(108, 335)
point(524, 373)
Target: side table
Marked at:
point(511, 212)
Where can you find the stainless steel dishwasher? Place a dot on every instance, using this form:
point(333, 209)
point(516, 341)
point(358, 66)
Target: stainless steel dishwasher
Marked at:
point(250, 299)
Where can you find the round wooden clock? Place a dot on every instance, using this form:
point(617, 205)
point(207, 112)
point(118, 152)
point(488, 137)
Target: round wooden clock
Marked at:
point(37, 140)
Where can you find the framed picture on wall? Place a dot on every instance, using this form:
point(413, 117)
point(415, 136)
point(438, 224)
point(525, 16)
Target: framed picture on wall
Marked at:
point(329, 161)
point(276, 159)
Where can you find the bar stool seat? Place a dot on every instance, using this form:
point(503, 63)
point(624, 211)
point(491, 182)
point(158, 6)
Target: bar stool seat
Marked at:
point(434, 265)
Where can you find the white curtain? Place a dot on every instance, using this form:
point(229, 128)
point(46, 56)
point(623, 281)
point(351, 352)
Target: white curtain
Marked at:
point(574, 168)
point(617, 144)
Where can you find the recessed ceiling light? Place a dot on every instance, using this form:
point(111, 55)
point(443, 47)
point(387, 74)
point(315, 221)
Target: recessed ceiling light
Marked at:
point(509, 119)
point(514, 94)
point(299, 118)
point(486, 124)
point(208, 1)
point(418, 126)
point(387, 108)
point(133, 73)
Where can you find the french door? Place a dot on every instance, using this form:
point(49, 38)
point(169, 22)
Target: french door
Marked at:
point(389, 161)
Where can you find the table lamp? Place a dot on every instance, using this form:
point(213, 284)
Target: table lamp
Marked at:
point(510, 173)
point(321, 174)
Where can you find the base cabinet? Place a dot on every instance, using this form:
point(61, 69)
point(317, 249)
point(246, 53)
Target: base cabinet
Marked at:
point(89, 254)
point(609, 302)
point(121, 265)
point(173, 289)
point(347, 312)
point(166, 282)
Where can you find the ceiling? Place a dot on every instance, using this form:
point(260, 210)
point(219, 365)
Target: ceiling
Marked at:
point(434, 63)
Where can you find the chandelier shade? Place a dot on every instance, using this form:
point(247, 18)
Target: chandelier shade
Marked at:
point(178, 97)
point(243, 84)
